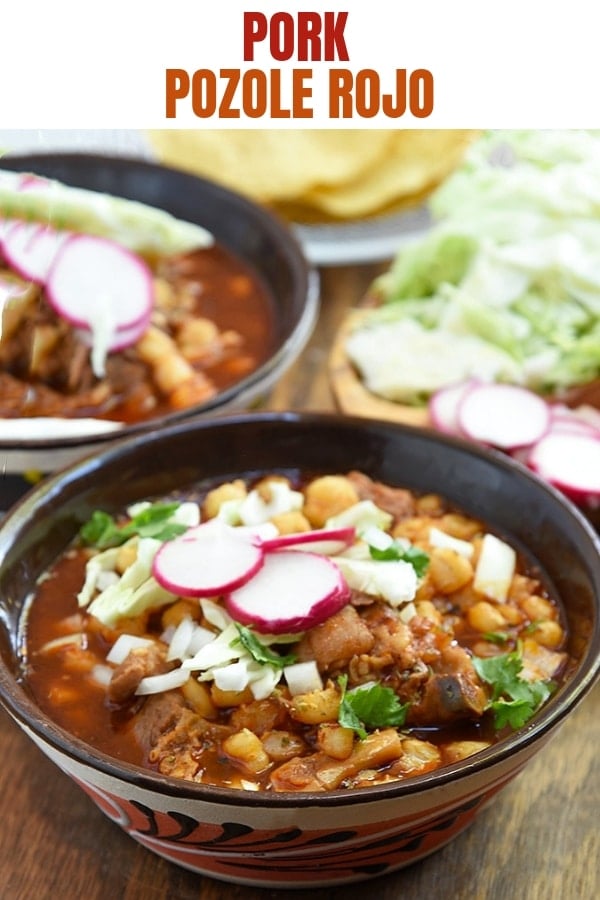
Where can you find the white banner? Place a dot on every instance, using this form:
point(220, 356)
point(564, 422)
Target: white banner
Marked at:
point(352, 63)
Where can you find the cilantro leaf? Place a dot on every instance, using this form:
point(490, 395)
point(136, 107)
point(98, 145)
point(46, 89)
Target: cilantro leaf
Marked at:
point(99, 531)
point(102, 530)
point(259, 651)
point(370, 706)
point(418, 559)
point(514, 700)
point(496, 637)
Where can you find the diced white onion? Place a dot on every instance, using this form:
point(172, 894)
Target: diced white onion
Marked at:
point(407, 612)
point(64, 641)
point(254, 509)
point(217, 652)
point(187, 513)
point(377, 538)
point(264, 530)
point(393, 580)
point(362, 516)
point(123, 645)
point(233, 677)
point(229, 511)
point(215, 614)
point(136, 508)
point(101, 562)
point(102, 674)
point(167, 634)
point(263, 680)
point(303, 677)
point(178, 646)
point(495, 568)
point(156, 684)
point(200, 638)
point(105, 579)
point(438, 538)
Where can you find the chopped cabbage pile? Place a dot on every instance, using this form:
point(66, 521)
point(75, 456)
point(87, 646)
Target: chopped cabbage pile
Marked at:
point(506, 284)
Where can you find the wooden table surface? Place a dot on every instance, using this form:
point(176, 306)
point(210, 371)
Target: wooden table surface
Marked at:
point(539, 840)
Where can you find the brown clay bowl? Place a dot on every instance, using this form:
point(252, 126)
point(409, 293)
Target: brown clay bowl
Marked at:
point(308, 839)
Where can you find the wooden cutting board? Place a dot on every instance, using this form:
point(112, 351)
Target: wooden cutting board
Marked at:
point(352, 397)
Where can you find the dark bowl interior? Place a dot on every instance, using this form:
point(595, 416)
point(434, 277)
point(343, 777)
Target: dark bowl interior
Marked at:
point(487, 485)
point(245, 228)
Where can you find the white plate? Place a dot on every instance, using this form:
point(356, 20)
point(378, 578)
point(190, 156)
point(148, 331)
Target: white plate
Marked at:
point(362, 241)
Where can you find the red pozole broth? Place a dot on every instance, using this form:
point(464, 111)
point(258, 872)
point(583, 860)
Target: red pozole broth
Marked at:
point(212, 325)
point(390, 688)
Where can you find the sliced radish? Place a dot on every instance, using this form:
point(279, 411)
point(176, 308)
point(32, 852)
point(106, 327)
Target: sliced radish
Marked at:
point(521, 454)
point(570, 461)
point(291, 592)
point(5, 225)
point(122, 338)
point(563, 420)
point(327, 541)
point(444, 404)
point(30, 249)
point(29, 182)
point(503, 415)
point(93, 276)
point(573, 426)
point(589, 414)
point(208, 560)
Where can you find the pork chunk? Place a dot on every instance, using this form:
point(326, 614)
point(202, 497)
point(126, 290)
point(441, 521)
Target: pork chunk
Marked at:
point(398, 502)
point(336, 641)
point(139, 663)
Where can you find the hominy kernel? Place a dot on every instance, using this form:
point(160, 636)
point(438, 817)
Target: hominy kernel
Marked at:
point(246, 748)
point(326, 497)
point(428, 610)
point(549, 634)
point(537, 608)
point(335, 741)
point(315, 707)
point(448, 570)
point(485, 617)
point(126, 556)
point(198, 696)
point(231, 490)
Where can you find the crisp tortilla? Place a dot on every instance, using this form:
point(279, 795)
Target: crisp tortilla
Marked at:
point(414, 164)
point(273, 165)
point(314, 174)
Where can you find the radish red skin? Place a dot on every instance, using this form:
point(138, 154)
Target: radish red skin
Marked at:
point(338, 539)
point(183, 565)
point(71, 288)
point(122, 338)
point(260, 602)
point(503, 428)
point(571, 448)
point(30, 249)
point(572, 423)
point(444, 405)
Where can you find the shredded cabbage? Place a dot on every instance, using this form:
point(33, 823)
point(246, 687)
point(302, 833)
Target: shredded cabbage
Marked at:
point(511, 263)
point(141, 228)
